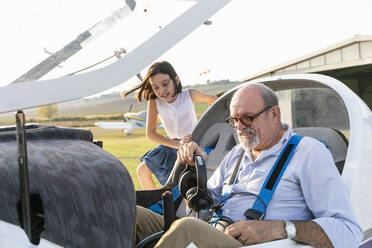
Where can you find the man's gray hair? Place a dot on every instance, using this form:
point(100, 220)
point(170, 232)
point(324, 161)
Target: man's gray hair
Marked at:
point(269, 96)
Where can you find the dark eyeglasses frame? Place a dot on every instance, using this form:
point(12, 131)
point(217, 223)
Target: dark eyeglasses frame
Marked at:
point(250, 117)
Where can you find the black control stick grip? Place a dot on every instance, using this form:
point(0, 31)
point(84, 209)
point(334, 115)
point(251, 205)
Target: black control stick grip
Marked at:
point(168, 209)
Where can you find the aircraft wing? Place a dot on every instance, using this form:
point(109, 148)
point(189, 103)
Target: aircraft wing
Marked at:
point(115, 125)
point(37, 93)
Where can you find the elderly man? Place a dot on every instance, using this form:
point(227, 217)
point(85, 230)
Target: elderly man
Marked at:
point(310, 204)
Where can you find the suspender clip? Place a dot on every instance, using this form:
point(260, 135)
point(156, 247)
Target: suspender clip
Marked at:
point(252, 214)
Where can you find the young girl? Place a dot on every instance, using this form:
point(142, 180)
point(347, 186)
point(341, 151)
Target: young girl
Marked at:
point(163, 90)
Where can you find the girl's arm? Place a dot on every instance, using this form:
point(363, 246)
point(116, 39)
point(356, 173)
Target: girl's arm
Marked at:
point(152, 117)
point(198, 96)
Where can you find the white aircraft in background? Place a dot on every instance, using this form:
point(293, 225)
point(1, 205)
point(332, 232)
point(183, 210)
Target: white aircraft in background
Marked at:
point(131, 121)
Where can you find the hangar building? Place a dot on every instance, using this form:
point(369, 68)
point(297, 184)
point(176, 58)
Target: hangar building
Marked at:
point(349, 61)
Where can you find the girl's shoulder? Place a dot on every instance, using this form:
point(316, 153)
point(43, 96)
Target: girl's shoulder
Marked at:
point(198, 96)
point(192, 91)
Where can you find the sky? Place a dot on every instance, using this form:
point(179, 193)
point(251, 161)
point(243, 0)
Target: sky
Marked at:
point(245, 37)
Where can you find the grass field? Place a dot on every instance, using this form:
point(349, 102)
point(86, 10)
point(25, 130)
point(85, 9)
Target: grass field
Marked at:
point(127, 148)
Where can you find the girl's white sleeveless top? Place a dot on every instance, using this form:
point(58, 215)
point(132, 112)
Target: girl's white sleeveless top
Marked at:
point(179, 117)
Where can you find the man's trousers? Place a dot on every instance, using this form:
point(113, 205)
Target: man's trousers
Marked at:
point(182, 232)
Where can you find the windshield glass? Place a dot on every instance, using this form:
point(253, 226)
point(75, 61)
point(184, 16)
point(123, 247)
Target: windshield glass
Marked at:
point(314, 108)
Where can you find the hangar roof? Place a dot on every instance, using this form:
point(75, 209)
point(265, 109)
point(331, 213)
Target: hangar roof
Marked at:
point(346, 59)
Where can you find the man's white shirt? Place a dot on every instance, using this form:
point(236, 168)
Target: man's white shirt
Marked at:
point(310, 189)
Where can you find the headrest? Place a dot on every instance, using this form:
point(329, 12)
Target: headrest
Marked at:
point(335, 141)
point(220, 138)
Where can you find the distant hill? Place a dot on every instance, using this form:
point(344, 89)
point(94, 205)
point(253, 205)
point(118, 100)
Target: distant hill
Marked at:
point(112, 103)
point(100, 106)
point(215, 87)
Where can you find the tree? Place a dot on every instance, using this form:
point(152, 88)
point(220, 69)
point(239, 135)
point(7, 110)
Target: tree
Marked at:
point(48, 111)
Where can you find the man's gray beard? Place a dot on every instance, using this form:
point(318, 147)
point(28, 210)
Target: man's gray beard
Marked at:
point(249, 143)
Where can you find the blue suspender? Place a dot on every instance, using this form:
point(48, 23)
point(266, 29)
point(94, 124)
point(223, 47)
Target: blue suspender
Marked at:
point(272, 180)
point(258, 209)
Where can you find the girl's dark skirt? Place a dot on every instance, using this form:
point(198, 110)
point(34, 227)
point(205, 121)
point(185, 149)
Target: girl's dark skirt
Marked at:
point(160, 161)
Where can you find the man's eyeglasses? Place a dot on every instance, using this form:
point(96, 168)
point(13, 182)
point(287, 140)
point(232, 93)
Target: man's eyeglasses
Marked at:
point(245, 119)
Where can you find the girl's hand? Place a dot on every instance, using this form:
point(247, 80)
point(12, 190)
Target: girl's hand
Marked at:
point(122, 95)
point(186, 153)
point(186, 139)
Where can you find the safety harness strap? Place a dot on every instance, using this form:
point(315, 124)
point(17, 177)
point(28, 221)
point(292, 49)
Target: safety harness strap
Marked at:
point(237, 168)
point(272, 180)
point(258, 209)
point(227, 189)
point(226, 193)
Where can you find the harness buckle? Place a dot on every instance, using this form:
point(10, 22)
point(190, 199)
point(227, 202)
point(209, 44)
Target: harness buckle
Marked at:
point(253, 214)
point(221, 222)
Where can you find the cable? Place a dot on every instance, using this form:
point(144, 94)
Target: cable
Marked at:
point(220, 205)
point(91, 66)
point(257, 196)
point(116, 54)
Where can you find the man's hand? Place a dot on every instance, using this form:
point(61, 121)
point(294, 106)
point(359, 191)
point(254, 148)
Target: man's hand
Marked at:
point(250, 232)
point(186, 153)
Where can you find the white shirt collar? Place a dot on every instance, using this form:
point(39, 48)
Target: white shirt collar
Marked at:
point(278, 147)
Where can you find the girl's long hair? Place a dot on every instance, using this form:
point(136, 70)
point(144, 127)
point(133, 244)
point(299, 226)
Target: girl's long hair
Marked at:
point(145, 90)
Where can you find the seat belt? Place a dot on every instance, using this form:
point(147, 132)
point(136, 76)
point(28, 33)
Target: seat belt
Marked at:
point(226, 192)
point(258, 210)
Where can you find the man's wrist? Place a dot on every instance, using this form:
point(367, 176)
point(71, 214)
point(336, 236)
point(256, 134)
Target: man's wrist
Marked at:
point(279, 231)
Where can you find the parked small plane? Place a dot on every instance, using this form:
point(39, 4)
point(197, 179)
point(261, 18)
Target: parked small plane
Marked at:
point(131, 121)
point(75, 194)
